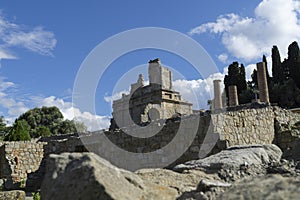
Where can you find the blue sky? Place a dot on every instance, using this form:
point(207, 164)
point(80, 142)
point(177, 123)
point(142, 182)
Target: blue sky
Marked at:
point(44, 43)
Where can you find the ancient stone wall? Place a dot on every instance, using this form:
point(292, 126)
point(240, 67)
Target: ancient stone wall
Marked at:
point(251, 126)
point(17, 159)
point(207, 133)
point(166, 131)
point(69, 143)
point(240, 125)
point(245, 126)
point(287, 137)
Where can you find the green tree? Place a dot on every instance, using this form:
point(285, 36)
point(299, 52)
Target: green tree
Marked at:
point(43, 131)
point(49, 117)
point(293, 51)
point(294, 63)
point(264, 59)
point(236, 76)
point(286, 77)
point(288, 94)
point(66, 126)
point(19, 132)
point(80, 126)
point(246, 95)
point(253, 84)
point(47, 121)
point(277, 69)
point(242, 78)
point(291, 65)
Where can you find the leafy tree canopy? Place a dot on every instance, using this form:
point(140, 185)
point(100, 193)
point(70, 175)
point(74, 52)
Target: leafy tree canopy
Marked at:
point(45, 121)
point(19, 132)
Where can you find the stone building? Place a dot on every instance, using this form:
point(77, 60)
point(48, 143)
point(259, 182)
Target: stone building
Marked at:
point(158, 100)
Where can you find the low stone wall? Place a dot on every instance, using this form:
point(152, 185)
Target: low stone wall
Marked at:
point(254, 126)
point(245, 126)
point(17, 159)
point(287, 137)
point(188, 132)
point(70, 143)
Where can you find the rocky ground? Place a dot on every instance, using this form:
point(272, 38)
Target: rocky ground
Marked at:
point(240, 172)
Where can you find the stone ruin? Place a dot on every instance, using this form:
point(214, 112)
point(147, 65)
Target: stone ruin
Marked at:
point(24, 162)
point(233, 100)
point(145, 103)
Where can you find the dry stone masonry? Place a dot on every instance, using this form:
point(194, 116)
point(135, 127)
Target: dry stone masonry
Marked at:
point(17, 159)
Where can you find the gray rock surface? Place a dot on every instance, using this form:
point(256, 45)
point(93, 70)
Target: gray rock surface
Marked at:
point(87, 176)
point(182, 182)
point(192, 184)
point(240, 172)
point(13, 195)
point(269, 187)
point(235, 157)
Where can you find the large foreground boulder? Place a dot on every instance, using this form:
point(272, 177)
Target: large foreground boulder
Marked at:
point(235, 157)
point(236, 162)
point(87, 176)
point(265, 187)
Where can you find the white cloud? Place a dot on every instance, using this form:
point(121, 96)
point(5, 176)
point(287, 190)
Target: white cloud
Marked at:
point(4, 85)
point(13, 107)
point(115, 96)
point(223, 57)
point(38, 40)
point(276, 22)
point(198, 91)
point(93, 122)
point(5, 54)
point(34, 39)
point(249, 70)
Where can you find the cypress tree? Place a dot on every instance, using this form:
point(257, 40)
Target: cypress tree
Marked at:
point(293, 63)
point(264, 59)
point(277, 70)
point(236, 76)
point(293, 51)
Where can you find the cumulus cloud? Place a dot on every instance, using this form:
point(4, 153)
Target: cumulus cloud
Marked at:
point(115, 96)
point(275, 22)
point(13, 107)
point(93, 122)
point(223, 57)
point(34, 39)
point(249, 70)
point(198, 91)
